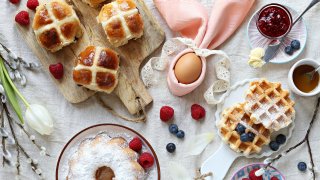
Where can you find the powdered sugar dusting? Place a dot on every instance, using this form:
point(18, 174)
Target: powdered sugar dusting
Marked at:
point(97, 155)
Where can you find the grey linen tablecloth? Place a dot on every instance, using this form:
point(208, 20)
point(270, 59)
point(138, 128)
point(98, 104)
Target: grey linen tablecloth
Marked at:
point(71, 118)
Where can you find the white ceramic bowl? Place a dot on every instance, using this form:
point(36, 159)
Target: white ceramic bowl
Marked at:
point(290, 77)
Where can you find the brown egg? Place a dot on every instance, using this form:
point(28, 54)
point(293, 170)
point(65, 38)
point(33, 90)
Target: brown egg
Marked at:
point(188, 68)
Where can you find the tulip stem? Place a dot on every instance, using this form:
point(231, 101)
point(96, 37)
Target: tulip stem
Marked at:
point(12, 84)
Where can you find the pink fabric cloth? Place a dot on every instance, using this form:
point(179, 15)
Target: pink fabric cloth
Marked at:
point(190, 19)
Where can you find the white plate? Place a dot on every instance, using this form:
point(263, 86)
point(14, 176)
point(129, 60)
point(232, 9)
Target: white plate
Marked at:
point(298, 31)
point(223, 158)
point(113, 130)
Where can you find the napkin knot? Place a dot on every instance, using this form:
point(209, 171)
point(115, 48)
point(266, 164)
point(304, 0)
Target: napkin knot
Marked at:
point(174, 46)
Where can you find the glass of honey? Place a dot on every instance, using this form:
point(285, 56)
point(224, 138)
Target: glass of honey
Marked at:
point(300, 82)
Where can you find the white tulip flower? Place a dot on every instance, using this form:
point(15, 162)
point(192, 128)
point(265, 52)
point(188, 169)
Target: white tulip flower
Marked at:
point(36, 115)
point(39, 119)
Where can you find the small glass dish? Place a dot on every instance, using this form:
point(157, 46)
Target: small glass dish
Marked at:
point(283, 16)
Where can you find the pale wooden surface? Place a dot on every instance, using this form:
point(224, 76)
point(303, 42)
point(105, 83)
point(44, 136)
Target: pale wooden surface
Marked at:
point(132, 54)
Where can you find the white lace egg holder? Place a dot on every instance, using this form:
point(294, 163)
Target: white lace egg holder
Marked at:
point(220, 162)
point(172, 51)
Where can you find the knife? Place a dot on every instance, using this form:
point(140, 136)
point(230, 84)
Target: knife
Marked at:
point(273, 49)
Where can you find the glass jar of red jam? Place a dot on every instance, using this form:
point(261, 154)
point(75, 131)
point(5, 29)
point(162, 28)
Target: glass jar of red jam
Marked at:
point(274, 21)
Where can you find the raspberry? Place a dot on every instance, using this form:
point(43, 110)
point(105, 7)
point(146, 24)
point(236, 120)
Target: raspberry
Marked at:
point(14, 1)
point(166, 113)
point(136, 144)
point(274, 178)
point(32, 4)
point(22, 18)
point(146, 160)
point(56, 70)
point(252, 175)
point(197, 112)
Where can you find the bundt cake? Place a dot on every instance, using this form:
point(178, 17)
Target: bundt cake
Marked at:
point(104, 158)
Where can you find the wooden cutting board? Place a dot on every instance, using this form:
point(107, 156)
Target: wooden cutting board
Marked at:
point(130, 88)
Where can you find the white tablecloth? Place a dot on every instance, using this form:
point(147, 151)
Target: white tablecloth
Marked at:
point(71, 118)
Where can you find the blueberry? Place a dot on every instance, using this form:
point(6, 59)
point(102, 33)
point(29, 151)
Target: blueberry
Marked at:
point(302, 166)
point(288, 50)
point(295, 44)
point(274, 146)
point(244, 137)
point(171, 147)
point(251, 136)
point(180, 134)
point(281, 139)
point(240, 129)
point(173, 128)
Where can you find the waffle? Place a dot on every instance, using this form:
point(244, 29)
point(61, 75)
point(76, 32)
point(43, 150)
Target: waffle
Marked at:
point(121, 22)
point(269, 104)
point(97, 69)
point(56, 25)
point(231, 117)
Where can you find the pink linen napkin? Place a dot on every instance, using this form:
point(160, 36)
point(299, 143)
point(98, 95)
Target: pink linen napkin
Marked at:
point(190, 19)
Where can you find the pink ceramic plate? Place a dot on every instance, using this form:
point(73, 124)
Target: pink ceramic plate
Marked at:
point(112, 130)
point(270, 172)
point(298, 31)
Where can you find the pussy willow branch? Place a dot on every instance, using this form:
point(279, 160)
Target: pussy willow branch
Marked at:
point(9, 118)
point(3, 138)
point(15, 139)
point(29, 135)
point(304, 140)
point(17, 59)
point(33, 165)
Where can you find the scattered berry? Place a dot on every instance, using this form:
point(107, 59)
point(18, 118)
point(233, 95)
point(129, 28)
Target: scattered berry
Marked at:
point(180, 134)
point(14, 1)
point(146, 160)
point(244, 137)
point(166, 113)
point(171, 147)
point(288, 50)
point(274, 146)
point(56, 70)
point(32, 4)
point(295, 44)
point(251, 136)
point(274, 178)
point(136, 144)
point(22, 18)
point(302, 166)
point(173, 128)
point(281, 139)
point(253, 176)
point(240, 129)
point(197, 112)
